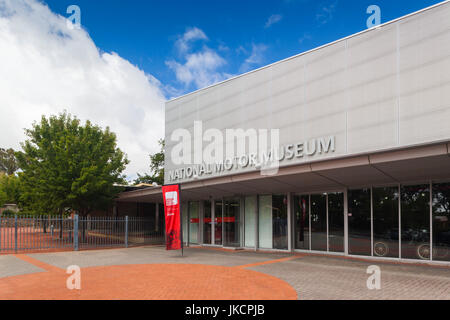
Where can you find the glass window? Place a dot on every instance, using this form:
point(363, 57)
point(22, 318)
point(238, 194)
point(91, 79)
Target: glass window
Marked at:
point(218, 208)
point(231, 219)
point(250, 221)
point(441, 222)
point(265, 222)
point(273, 222)
point(385, 222)
point(319, 222)
point(194, 221)
point(415, 217)
point(279, 221)
point(336, 222)
point(359, 225)
point(301, 217)
point(184, 218)
point(207, 222)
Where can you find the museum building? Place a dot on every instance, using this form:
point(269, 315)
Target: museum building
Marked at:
point(363, 149)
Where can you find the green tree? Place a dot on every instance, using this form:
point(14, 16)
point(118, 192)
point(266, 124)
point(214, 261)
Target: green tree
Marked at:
point(3, 197)
point(66, 165)
point(156, 168)
point(9, 189)
point(8, 161)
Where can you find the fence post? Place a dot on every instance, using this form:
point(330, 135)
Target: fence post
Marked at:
point(75, 232)
point(126, 231)
point(0, 233)
point(15, 233)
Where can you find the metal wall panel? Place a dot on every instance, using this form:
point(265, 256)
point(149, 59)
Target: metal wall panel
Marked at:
point(387, 88)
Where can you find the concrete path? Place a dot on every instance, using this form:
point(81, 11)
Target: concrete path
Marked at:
point(213, 274)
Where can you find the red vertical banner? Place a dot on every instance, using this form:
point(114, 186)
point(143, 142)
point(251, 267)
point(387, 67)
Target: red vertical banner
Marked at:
point(171, 195)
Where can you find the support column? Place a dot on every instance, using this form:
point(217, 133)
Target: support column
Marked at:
point(242, 222)
point(115, 209)
point(346, 222)
point(399, 221)
point(213, 222)
point(15, 233)
point(223, 224)
point(157, 217)
point(188, 225)
point(431, 221)
point(201, 215)
point(75, 232)
point(328, 225)
point(371, 221)
point(289, 221)
point(126, 231)
point(257, 223)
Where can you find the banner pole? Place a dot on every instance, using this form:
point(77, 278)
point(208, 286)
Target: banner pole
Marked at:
point(172, 212)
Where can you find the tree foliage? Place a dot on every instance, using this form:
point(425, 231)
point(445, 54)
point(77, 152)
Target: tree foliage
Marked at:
point(8, 161)
point(9, 189)
point(66, 165)
point(156, 168)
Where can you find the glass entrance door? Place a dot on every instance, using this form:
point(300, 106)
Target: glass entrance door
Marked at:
point(194, 221)
point(218, 208)
point(301, 222)
point(319, 222)
point(207, 222)
point(230, 222)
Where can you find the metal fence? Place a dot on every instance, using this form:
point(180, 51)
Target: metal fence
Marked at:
point(32, 233)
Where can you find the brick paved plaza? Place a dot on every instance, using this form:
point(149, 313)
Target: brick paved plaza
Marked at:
point(153, 273)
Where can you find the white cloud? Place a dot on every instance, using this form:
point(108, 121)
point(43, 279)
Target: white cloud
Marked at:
point(326, 13)
point(45, 68)
point(191, 35)
point(306, 36)
point(200, 68)
point(241, 50)
point(275, 18)
point(256, 58)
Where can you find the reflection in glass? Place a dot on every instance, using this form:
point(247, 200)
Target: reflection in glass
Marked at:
point(231, 222)
point(319, 222)
point(218, 223)
point(207, 223)
point(359, 226)
point(301, 216)
point(336, 222)
point(250, 221)
point(184, 218)
point(193, 221)
point(415, 224)
point(385, 222)
point(441, 223)
point(279, 222)
point(265, 228)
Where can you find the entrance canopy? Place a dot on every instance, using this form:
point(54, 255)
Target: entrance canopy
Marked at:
point(414, 165)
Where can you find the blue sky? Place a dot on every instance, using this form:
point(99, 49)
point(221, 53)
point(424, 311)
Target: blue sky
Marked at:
point(238, 31)
point(131, 56)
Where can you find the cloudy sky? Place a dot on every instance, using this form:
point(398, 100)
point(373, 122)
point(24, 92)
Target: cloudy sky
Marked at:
point(130, 56)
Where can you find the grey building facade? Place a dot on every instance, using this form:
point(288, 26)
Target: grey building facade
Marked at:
point(362, 153)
